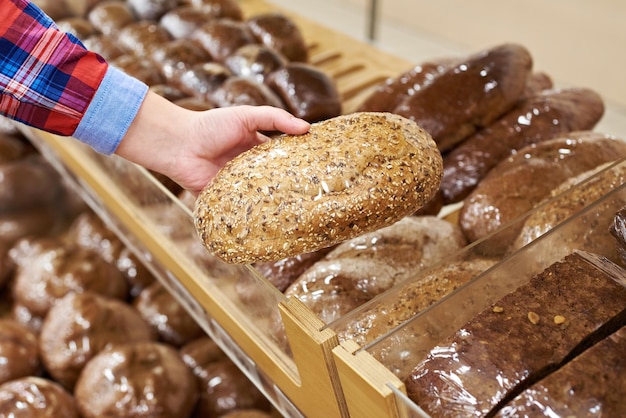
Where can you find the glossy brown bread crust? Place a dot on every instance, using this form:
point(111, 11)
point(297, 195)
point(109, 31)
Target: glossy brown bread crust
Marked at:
point(111, 322)
point(295, 194)
point(37, 397)
point(469, 95)
point(281, 34)
point(307, 92)
point(136, 379)
point(523, 180)
point(388, 94)
point(544, 116)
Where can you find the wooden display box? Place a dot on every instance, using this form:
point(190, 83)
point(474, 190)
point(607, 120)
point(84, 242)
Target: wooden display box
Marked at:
point(318, 376)
point(363, 370)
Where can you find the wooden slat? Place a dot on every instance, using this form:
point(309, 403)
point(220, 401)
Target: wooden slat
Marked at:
point(364, 382)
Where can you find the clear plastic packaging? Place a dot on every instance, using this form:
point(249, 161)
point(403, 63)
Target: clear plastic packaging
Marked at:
point(567, 392)
point(522, 337)
point(587, 229)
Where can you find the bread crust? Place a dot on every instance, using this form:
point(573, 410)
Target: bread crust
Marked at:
point(553, 113)
point(521, 181)
point(469, 95)
point(347, 176)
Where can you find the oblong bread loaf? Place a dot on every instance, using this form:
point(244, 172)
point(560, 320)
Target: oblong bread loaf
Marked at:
point(348, 175)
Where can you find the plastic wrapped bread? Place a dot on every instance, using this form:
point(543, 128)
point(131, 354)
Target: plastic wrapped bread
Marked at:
point(528, 333)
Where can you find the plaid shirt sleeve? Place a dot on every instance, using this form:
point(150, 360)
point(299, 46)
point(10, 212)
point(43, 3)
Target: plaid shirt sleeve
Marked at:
point(50, 81)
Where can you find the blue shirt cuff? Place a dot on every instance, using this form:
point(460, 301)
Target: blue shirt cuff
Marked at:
point(111, 111)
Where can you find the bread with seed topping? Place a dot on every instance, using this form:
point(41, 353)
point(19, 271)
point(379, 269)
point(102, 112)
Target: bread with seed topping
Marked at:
point(347, 176)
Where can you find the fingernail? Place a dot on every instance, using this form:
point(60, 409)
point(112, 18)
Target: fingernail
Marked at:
point(301, 122)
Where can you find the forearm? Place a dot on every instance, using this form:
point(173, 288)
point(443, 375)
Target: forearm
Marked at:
point(155, 134)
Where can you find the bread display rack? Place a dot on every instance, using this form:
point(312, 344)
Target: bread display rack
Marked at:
point(318, 376)
point(130, 200)
point(587, 230)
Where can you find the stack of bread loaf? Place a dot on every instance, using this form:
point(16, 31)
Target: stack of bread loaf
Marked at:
point(552, 347)
point(506, 136)
point(85, 329)
point(552, 344)
point(347, 214)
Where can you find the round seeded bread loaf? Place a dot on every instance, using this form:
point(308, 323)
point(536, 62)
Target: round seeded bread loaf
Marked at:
point(348, 175)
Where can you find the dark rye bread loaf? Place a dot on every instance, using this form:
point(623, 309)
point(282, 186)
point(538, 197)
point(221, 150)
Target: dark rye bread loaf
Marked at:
point(549, 114)
point(592, 384)
point(469, 95)
point(388, 94)
point(19, 347)
point(308, 92)
point(181, 21)
point(221, 37)
point(347, 176)
point(135, 379)
point(525, 335)
point(142, 37)
point(109, 17)
point(280, 33)
point(237, 90)
point(524, 179)
point(255, 61)
point(110, 322)
point(37, 397)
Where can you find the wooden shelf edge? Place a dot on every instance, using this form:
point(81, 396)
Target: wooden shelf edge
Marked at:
point(365, 383)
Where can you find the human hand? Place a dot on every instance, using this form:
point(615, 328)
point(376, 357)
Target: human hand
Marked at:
point(189, 146)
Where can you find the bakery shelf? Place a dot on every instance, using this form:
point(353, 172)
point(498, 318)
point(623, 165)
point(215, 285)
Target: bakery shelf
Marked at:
point(320, 375)
point(301, 380)
point(402, 347)
point(159, 230)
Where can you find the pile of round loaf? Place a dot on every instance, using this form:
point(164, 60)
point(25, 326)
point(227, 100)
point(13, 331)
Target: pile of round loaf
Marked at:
point(205, 54)
point(77, 305)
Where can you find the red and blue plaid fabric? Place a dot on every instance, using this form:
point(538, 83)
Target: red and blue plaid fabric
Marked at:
point(47, 77)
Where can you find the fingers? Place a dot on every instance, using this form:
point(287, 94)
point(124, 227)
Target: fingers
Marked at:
point(267, 118)
point(261, 137)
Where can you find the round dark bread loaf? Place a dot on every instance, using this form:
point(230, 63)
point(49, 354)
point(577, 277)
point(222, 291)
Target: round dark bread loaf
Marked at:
point(348, 175)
